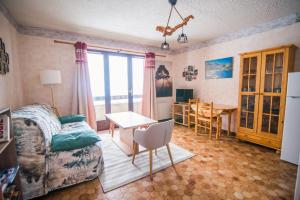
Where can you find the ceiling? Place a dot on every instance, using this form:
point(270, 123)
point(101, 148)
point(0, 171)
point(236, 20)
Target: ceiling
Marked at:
point(135, 20)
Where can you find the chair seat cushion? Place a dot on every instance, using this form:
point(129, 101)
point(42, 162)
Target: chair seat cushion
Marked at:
point(73, 140)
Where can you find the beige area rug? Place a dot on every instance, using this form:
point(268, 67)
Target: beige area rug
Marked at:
point(119, 171)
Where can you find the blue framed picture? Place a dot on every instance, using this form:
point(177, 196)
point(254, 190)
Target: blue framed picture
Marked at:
point(219, 68)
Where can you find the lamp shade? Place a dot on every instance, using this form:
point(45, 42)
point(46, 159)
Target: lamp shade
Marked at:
point(50, 77)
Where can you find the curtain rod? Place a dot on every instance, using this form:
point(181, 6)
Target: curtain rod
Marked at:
point(108, 49)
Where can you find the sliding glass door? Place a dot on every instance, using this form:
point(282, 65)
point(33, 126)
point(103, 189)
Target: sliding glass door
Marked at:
point(116, 83)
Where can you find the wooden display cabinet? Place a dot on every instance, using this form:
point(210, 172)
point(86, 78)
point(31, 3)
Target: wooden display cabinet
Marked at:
point(263, 83)
point(180, 113)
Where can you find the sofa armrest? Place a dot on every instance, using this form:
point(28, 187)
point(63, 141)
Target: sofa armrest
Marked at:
point(31, 155)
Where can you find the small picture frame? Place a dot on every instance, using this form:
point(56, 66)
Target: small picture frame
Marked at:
point(4, 59)
point(4, 128)
point(2, 70)
point(190, 68)
point(2, 45)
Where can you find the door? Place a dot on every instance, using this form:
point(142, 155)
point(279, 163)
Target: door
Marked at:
point(272, 91)
point(249, 92)
point(116, 83)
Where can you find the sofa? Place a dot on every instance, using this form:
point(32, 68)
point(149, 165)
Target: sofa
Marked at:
point(41, 169)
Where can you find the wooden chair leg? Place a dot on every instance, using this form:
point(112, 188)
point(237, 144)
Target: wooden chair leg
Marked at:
point(150, 162)
point(210, 130)
point(134, 152)
point(169, 152)
point(220, 127)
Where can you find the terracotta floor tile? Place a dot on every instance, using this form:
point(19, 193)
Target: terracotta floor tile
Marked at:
point(225, 169)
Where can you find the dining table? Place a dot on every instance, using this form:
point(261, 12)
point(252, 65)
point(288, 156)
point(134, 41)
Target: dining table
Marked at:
point(226, 110)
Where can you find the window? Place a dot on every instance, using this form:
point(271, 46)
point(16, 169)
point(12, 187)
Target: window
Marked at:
point(122, 75)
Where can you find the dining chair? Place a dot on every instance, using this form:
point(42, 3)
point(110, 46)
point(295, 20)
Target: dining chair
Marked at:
point(191, 113)
point(155, 136)
point(207, 117)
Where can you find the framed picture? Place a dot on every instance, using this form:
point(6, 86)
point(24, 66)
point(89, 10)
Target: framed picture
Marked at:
point(4, 59)
point(4, 128)
point(163, 80)
point(219, 68)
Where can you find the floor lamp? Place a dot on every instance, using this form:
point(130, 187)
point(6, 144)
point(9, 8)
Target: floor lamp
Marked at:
point(51, 78)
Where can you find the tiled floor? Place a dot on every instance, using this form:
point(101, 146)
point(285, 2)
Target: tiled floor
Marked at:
point(225, 169)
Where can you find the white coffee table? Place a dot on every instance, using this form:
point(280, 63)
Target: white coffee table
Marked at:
point(127, 122)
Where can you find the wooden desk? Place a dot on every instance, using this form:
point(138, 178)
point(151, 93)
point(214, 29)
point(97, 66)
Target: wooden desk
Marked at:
point(226, 110)
point(127, 122)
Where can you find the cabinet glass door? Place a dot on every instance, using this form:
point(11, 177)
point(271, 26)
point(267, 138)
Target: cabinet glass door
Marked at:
point(249, 90)
point(271, 91)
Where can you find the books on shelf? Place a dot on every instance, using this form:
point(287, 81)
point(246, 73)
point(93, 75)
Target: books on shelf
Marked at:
point(7, 177)
point(4, 128)
point(11, 193)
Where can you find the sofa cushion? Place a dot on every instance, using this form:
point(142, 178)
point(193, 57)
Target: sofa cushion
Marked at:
point(71, 118)
point(73, 140)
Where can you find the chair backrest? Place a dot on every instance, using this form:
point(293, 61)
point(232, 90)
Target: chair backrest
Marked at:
point(207, 110)
point(157, 135)
point(192, 102)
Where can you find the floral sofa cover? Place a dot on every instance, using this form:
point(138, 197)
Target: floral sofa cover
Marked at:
point(42, 170)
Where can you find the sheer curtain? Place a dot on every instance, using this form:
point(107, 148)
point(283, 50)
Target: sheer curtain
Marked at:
point(82, 95)
point(149, 105)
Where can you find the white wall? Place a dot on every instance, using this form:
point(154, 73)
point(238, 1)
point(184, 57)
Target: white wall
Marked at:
point(225, 91)
point(10, 87)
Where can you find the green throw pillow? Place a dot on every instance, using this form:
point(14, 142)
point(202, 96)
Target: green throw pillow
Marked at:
point(73, 140)
point(71, 118)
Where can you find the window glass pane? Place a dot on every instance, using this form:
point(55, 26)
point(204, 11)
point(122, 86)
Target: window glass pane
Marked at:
point(246, 66)
point(137, 82)
point(118, 76)
point(96, 72)
point(243, 119)
point(253, 65)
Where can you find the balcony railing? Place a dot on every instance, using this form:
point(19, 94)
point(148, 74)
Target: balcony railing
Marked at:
point(118, 104)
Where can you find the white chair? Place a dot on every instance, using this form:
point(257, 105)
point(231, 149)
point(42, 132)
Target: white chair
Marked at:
point(155, 136)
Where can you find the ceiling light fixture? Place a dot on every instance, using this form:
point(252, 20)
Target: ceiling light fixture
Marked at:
point(182, 38)
point(168, 31)
point(165, 45)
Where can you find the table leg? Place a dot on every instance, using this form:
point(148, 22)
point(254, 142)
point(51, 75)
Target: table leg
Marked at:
point(136, 145)
point(111, 128)
point(229, 122)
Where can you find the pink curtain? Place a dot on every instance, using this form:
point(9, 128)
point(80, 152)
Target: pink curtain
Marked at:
point(149, 106)
point(82, 95)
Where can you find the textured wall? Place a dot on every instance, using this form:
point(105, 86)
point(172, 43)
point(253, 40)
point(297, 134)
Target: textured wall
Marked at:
point(37, 54)
point(225, 91)
point(10, 90)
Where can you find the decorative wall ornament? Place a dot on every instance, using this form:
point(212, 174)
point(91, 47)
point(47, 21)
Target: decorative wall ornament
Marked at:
point(4, 59)
point(163, 81)
point(190, 73)
point(219, 68)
